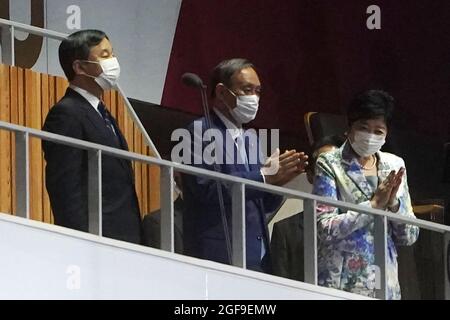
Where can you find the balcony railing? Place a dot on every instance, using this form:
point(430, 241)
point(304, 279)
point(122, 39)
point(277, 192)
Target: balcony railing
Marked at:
point(239, 186)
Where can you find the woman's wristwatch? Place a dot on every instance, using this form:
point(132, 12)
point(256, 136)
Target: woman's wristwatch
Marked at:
point(394, 208)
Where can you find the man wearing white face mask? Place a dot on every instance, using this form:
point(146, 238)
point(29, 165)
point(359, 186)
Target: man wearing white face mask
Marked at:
point(360, 173)
point(89, 63)
point(236, 93)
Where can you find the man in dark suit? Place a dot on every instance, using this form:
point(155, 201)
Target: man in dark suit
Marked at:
point(89, 63)
point(287, 234)
point(236, 90)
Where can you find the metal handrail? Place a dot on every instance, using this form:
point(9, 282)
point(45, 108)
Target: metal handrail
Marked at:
point(89, 146)
point(34, 30)
point(238, 188)
point(8, 47)
point(23, 134)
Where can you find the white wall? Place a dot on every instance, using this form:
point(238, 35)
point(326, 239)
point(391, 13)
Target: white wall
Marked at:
point(141, 32)
point(40, 261)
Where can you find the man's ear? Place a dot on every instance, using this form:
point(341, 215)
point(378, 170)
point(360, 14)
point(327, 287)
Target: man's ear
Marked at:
point(219, 90)
point(77, 67)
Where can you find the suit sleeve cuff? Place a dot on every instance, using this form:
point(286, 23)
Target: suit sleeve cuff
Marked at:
point(262, 175)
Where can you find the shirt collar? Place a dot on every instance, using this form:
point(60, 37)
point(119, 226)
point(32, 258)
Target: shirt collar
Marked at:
point(93, 100)
point(231, 127)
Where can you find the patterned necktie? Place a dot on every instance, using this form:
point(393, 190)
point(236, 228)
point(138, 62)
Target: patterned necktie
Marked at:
point(108, 122)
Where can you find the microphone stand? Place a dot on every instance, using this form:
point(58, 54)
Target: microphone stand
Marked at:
point(226, 229)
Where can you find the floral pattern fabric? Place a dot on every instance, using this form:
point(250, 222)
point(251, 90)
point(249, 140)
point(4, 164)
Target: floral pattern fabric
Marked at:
point(346, 239)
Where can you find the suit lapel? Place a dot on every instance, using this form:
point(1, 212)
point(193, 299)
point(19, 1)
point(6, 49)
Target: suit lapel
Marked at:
point(229, 154)
point(99, 124)
point(93, 117)
point(97, 121)
point(124, 146)
point(218, 124)
point(252, 148)
point(383, 168)
point(232, 154)
point(353, 171)
point(122, 140)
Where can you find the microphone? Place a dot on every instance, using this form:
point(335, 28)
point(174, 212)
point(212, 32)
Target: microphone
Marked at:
point(192, 80)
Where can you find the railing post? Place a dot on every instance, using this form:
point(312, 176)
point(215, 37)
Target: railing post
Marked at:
point(447, 265)
point(238, 225)
point(95, 191)
point(8, 52)
point(167, 209)
point(310, 241)
point(137, 122)
point(22, 175)
point(381, 256)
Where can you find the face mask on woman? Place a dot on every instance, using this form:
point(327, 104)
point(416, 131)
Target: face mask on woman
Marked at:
point(366, 144)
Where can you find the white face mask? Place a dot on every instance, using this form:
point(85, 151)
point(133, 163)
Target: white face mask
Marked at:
point(246, 108)
point(110, 75)
point(366, 144)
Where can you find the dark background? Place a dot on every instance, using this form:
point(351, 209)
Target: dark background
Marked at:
point(316, 55)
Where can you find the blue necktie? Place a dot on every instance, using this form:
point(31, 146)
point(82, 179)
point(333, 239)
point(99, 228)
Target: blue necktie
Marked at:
point(108, 122)
point(241, 149)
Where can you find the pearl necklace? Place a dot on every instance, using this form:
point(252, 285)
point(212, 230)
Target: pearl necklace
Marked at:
point(372, 166)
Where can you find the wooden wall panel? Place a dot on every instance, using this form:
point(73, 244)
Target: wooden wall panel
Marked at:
point(138, 166)
point(25, 99)
point(52, 99)
point(153, 179)
point(61, 87)
point(45, 105)
point(5, 143)
point(21, 96)
point(33, 111)
point(14, 118)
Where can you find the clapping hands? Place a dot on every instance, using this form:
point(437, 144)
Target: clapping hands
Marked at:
point(386, 194)
point(280, 169)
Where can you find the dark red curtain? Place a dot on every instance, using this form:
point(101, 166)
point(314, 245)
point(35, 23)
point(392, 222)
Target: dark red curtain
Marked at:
point(315, 55)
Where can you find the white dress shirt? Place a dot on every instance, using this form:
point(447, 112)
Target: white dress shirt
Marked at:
point(93, 100)
point(235, 132)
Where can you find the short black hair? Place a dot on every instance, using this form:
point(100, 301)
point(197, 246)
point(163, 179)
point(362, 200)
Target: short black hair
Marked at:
point(371, 104)
point(223, 72)
point(77, 46)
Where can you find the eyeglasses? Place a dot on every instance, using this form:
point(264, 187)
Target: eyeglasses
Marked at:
point(247, 91)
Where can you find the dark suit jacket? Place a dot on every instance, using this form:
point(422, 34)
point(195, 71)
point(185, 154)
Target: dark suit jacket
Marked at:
point(203, 230)
point(287, 248)
point(67, 172)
